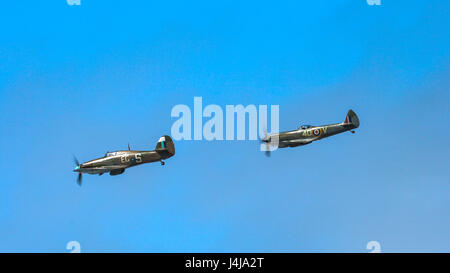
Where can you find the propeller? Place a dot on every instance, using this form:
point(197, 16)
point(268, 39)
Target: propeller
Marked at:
point(79, 179)
point(75, 160)
point(80, 175)
point(266, 141)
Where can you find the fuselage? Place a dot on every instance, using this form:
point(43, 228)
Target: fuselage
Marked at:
point(116, 162)
point(119, 160)
point(307, 134)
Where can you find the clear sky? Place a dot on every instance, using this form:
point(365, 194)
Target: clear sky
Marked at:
point(88, 79)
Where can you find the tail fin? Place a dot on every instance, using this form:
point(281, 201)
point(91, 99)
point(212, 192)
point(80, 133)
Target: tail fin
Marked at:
point(351, 119)
point(165, 147)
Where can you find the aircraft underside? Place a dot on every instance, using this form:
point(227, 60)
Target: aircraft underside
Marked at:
point(101, 170)
point(294, 143)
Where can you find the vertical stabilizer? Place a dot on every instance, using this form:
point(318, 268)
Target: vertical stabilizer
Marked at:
point(165, 146)
point(351, 119)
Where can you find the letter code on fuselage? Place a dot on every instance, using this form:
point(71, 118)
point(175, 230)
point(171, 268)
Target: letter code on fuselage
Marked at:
point(126, 158)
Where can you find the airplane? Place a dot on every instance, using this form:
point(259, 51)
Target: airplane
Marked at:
point(306, 134)
point(116, 162)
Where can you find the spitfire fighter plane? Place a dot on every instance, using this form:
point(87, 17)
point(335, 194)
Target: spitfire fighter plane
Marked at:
point(306, 134)
point(116, 162)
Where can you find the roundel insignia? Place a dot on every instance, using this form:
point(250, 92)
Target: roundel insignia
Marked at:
point(316, 132)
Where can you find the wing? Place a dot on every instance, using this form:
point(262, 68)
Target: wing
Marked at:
point(103, 169)
point(295, 142)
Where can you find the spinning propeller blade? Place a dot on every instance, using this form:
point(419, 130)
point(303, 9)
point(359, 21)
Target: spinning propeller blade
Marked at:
point(79, 179)
point(266, 141)
point(80, 175)
point(75, 160)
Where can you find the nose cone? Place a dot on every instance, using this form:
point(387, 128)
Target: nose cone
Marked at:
point(77, 169)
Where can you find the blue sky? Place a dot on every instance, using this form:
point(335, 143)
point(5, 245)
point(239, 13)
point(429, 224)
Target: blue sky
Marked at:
point(88, 79)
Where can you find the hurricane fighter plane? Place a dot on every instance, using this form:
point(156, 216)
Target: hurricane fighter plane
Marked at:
point(116, 162)
point(306, 134)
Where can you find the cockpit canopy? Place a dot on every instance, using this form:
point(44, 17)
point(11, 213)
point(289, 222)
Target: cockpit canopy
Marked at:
point(108, 154)
point(303, 127)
